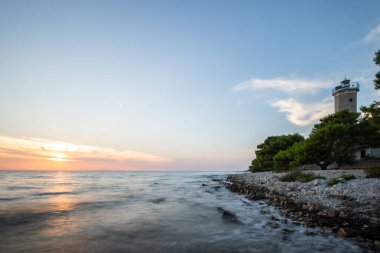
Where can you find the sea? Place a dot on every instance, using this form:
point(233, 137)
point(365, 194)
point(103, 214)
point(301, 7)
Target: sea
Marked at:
point(147, 212)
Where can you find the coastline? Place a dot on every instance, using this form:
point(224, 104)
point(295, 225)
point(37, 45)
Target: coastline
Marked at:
point(351, 209)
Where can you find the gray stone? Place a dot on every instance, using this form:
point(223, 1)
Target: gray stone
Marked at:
point(333, 166)
point(344, 232)
point(331, 206)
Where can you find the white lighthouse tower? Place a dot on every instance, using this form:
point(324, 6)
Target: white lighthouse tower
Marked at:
point(345, 96)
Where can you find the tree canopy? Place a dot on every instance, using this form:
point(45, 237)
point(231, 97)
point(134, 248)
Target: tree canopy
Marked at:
point(337, 137)
point(372, 112)
point(377, 76)
point(334, 139)
point(271, 146)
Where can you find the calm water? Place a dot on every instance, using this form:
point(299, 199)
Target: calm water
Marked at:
point(142, 212)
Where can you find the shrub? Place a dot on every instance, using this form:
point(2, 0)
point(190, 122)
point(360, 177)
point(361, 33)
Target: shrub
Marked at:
point(290, 158)
point(271, 146)
point(348, 177)
point(341, 179)
point(372, 172)
point(300, 177)
point(291, 177)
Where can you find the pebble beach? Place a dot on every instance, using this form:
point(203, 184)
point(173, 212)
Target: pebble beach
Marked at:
point(350, 209)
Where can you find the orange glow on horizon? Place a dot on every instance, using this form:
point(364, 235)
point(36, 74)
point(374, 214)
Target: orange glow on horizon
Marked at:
point(42, 154)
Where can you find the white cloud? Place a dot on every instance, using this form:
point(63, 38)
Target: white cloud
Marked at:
point(298, 113)
point(33, 148)
point(373, 36)
point(302, 114)
point(284, 85)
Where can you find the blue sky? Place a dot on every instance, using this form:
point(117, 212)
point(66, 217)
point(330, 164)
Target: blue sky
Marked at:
point(196, 83)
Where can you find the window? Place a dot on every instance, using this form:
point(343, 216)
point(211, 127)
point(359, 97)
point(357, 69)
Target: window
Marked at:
point(350, 99)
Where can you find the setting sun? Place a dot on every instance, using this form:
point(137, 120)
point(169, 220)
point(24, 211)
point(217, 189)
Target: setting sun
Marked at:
point(58, 157)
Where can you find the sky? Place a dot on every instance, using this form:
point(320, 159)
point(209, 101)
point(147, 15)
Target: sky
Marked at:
point(172, 85)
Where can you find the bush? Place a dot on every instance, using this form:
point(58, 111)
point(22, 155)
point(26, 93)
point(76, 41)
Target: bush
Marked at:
point(271, 146)
point(300, 177)
point(348, 177)
point(290, 158)
point(341, 179)
point(372, 172)
point(309, 177)
point(290, 177)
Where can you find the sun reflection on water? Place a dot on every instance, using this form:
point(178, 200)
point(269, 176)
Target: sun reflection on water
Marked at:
point(60, 204)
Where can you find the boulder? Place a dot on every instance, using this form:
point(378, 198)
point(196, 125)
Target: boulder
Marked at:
point(333, 166)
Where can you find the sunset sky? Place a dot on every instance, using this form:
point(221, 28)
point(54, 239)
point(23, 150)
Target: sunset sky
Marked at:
point(172, 85)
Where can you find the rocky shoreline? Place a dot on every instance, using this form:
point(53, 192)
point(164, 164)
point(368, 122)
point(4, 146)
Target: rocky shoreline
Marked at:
point(351, 208)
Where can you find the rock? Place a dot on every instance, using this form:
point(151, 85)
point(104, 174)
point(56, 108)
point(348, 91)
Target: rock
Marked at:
point(327, 213)
point(271, 217)
point(317, 182)
point(309, 233)
point(333, 166)
point(273, 225)
point(228, 215)
point(351, 207)
point(376, 244)
point(246, 202)
point(204, 184)
point(285, 230)
point(158, 201)
point(308, 207)
point(324, 222)
point(344, 232)
point(343, 214)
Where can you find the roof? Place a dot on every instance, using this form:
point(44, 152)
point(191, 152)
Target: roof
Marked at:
point(346, 84)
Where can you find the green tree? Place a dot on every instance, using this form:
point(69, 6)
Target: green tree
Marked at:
point(335, 139)
point(372, 112)
point(290, 158)
point(377, 76)
point(271, 146)
point(371, 118)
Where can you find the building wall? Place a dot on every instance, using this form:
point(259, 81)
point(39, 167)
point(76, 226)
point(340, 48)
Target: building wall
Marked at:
point(368, 153)
point(346, 100)
point(375, 152)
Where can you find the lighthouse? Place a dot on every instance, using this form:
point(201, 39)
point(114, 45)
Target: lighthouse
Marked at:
point(345, 96)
